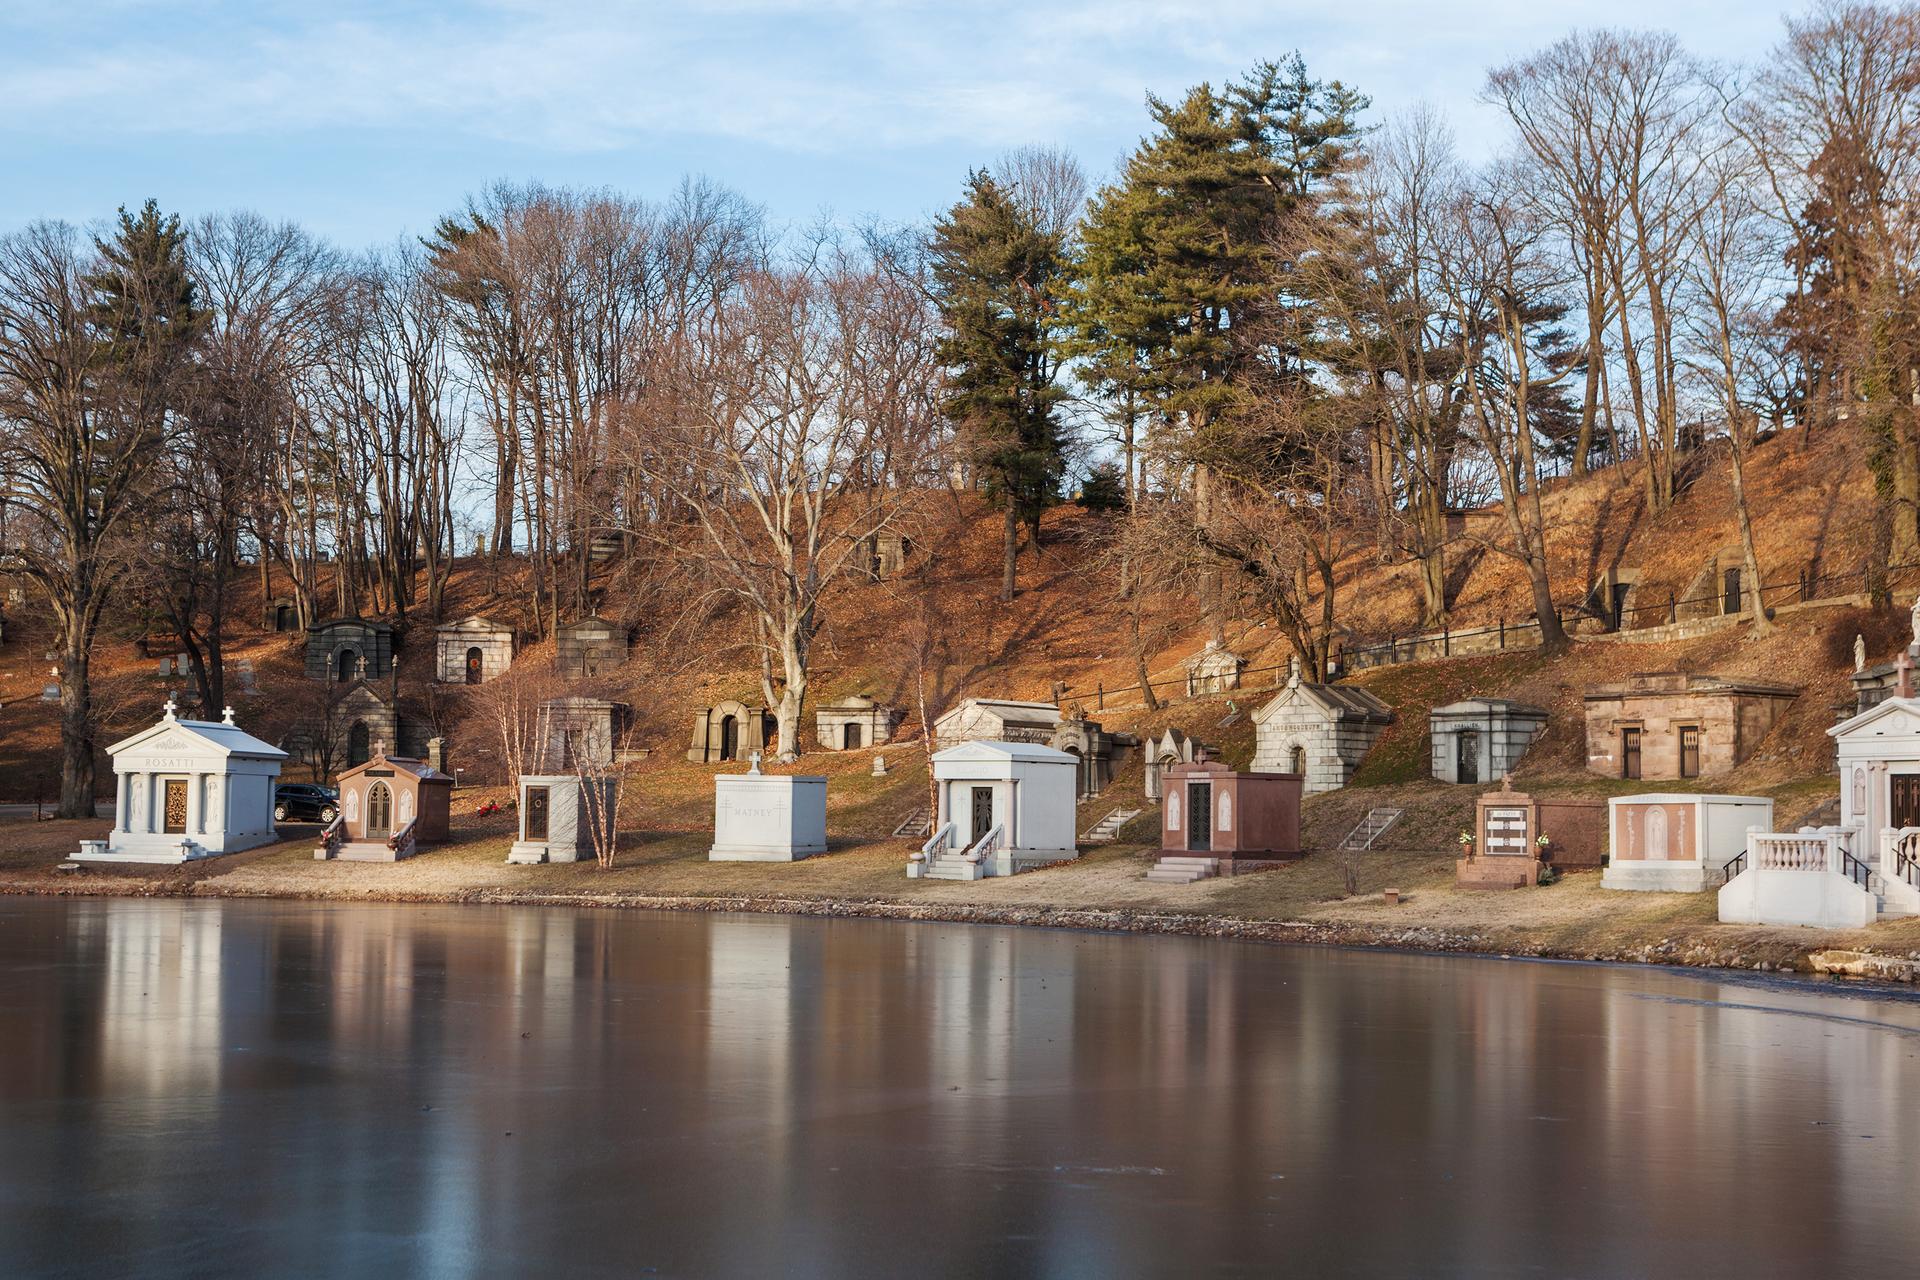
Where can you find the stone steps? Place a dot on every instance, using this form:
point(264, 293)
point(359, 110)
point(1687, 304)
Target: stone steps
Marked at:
point(1108, 827)
point(953, 869)
point(916, 825)
point(1183, 869)
point(364, 851)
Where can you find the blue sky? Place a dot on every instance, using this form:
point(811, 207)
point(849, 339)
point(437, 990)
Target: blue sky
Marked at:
point(366, 120)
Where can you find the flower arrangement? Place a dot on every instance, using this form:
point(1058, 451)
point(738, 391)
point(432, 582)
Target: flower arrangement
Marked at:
point(1542, 841)
point(1466, 841)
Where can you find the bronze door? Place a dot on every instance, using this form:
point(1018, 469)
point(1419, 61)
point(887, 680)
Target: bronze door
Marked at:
point(536, 813)
point(1689, 751)
point(1904, 791)
point(982, 813)
point(729, 738)
point(1630, 753)
point(1200, 817)
point(380, 810)
point(173, 812)
point(850, 737)
point(473, 666)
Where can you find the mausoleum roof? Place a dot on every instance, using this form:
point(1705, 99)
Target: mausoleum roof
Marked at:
point(199, 735)
point(989, 750)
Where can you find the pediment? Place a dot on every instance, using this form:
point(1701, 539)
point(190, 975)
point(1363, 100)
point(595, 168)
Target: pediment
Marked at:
point(1894, 718)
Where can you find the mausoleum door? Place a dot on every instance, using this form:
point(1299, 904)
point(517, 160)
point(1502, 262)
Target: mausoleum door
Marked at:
point(379, 810)
point(173, 806)
point(850, 739)
point(473, 666)
point(1200, 816)
point(982, 814)
point(348, 665)
point(537, 804)
point(729, 738)
point(1903, 791)
point(1467, 764)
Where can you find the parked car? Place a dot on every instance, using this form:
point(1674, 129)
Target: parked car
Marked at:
point(305, 802)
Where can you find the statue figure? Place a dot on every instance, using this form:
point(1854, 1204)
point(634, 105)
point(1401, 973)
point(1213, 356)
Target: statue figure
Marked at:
point(1916, 619)
point(1859, 652)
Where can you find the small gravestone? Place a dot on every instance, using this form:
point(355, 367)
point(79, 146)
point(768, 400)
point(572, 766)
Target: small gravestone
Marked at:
point(50, 693)
point(166, 666)
point(243, 670)
point(879, 766)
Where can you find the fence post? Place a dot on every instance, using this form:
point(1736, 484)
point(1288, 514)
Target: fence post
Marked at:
point(1673, 609)
point(1446, 639)
point(1100, 695)
point(1503, 631)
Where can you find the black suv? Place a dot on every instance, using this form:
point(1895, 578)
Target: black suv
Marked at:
point(305, 802)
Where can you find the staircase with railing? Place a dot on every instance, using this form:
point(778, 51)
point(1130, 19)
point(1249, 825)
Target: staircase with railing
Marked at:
point(1900, 871)
point(1809, 877)
point(940, 858)
point(331, 836)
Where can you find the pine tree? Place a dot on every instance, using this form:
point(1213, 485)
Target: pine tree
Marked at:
point(998, 275)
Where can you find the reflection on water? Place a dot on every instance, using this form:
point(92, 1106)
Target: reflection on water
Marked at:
point(269, 1088)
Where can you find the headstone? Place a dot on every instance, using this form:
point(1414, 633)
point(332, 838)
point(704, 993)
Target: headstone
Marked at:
point(879, 766)
point(166, 666)
point(760, 817)
point(50, 693)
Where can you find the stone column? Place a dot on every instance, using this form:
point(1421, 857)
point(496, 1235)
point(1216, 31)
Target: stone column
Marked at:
point(196, 802)
point(122, 800)
point(150, 789)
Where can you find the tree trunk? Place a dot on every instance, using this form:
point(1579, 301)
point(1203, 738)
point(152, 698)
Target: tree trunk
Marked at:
point(1761, 624)
point(76, 720)
point(1010, 550)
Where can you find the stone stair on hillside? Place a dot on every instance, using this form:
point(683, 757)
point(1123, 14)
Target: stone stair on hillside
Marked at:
point(1108, 828)
point(915, 826)
point(1371, 828)
point(1183, 869)
point(604, 546)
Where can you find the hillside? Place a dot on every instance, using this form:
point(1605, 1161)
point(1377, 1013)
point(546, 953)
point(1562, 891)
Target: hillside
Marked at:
point(1068, 627)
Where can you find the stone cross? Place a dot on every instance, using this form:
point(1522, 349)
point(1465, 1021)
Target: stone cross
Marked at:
point(1506, 782)
point(1904, 665)
point(755, 766)
point(226, 715)
point(171, 707)
point(379, 747)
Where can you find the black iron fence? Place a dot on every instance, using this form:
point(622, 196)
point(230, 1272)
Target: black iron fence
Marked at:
point(1807, 586)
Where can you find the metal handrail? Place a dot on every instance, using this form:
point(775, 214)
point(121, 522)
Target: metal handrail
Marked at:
point(1855, 870)
point(401, 841)
point(987, 844)
point(1735, 865)
point(1904, 844)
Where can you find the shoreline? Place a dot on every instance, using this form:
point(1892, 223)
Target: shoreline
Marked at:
point(1780, 957)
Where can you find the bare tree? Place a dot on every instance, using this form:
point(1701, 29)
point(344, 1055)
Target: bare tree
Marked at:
point(761, 422)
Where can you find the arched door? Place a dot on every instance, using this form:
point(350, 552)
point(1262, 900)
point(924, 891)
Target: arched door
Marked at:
point(473, 665)
point(283, 617)
point(1297, 760)
point(347, 664)
point(729, 738)
point(379, 811)
point(358, 746)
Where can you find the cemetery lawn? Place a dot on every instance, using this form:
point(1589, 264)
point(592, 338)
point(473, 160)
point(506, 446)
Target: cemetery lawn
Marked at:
point(1104, 889)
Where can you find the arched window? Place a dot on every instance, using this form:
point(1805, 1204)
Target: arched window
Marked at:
point(473, 665)
point(1225, 803)
point(379, 810)
point(346, 663)
point(1297, 760)
point(358, 743)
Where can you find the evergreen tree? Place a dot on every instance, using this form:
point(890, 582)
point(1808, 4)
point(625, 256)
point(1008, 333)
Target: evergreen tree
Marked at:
point(998, 276)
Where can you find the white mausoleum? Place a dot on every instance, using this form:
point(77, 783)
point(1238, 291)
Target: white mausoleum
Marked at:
point(1320, 731)
point(1004, 807)
point(559, 814)
point(188, 789)
point(1867, 866)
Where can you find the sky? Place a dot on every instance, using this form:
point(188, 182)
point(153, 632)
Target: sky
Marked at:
point(367, 120)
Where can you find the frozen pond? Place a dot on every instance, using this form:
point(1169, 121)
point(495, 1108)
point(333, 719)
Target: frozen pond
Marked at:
point(291, 1089)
